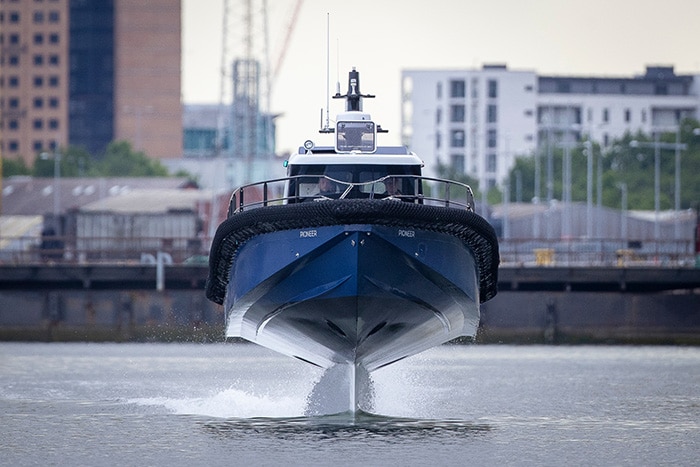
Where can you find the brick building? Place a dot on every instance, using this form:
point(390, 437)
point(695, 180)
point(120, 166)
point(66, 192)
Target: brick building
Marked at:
point(84, 73)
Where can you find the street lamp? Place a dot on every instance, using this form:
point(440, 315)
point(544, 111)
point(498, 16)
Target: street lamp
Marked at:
point(657, 169)
point(589, 188)
point(566, 187)
point(623, 205)
point(56, 156)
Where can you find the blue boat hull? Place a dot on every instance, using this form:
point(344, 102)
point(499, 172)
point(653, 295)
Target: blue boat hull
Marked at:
point(363, 294)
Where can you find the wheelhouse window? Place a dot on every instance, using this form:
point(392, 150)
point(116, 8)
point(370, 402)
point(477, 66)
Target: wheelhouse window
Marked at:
point(363, 181)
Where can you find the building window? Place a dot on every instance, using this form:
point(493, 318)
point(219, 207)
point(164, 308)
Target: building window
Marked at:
point(38, 17)
point(38, 81)
point(13, 60)
point(54, 17)
point(492, 138)
point(661, 90)
point(529, 113)
point(493, 88)
point(628, 115)
point(606, 115)
point(37, 145)
point(563, 87)
point(14, 39)
point(53, 81)
point(13, 125)
point(13, 103)
point(644, 116)
point(53, 102)
point(53, 124)
point(38, 102)
point(38, 39)
point(439, 90)
point(13, 82)
point(38, 124)
point(54, 38)
point(457, 113)
point(13, 145)
point(529, 88)
point(38, 60)
point(589, 115)
point(457, 88)
point(438, 115)
point(457, 138)
point(491, 113)
point(53, 60)
point(14, 17)
point(438, 140)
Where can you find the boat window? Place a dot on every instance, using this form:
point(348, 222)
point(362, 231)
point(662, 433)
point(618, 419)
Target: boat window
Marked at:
point(362, 174)
point(356, 136)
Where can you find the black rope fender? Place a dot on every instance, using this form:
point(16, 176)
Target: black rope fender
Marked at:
point(469, 227)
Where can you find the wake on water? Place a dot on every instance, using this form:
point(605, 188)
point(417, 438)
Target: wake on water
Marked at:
point(341, 389)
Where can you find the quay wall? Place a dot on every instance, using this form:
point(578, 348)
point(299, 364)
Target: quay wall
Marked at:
point(534, 305)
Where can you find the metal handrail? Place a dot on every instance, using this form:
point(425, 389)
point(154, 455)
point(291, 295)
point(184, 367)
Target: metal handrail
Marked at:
point(435, 191)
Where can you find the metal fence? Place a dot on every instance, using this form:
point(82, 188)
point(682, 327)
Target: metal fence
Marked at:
point(68, 249)
point(597, 252)
point(513, 252)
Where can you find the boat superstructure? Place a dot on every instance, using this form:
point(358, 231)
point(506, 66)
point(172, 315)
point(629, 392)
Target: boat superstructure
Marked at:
point(354, 258)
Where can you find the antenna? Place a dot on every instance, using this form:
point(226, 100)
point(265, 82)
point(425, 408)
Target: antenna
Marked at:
point(327, 127)
point(328, 71)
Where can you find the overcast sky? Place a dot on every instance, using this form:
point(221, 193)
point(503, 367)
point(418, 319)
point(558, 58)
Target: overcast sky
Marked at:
point(383, 37)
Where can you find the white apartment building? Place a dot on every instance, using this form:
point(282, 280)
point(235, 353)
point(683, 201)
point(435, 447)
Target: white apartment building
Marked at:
point(477, 121)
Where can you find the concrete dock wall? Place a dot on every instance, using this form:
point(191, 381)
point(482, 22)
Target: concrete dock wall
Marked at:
point(534, 305)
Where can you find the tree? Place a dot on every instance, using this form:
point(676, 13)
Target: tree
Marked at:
point(449, 172)
point(621, 163)
point(73, 162)
point(121, 160)
point(11, 167)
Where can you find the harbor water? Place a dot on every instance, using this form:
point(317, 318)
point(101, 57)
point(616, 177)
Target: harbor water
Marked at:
point(239, 404)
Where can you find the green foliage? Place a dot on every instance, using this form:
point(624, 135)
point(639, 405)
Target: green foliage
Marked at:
point(12, 167)
point(121, 160)
point(621, 165)
point(448, 172)
point(73, 162)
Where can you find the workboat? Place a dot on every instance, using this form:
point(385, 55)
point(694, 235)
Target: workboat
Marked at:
point(354, 258)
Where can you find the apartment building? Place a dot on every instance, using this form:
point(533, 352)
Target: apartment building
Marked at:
point(478, 120)
point(87, 72)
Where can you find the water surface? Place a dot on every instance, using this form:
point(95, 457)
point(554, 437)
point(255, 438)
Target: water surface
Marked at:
point(238, 404)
